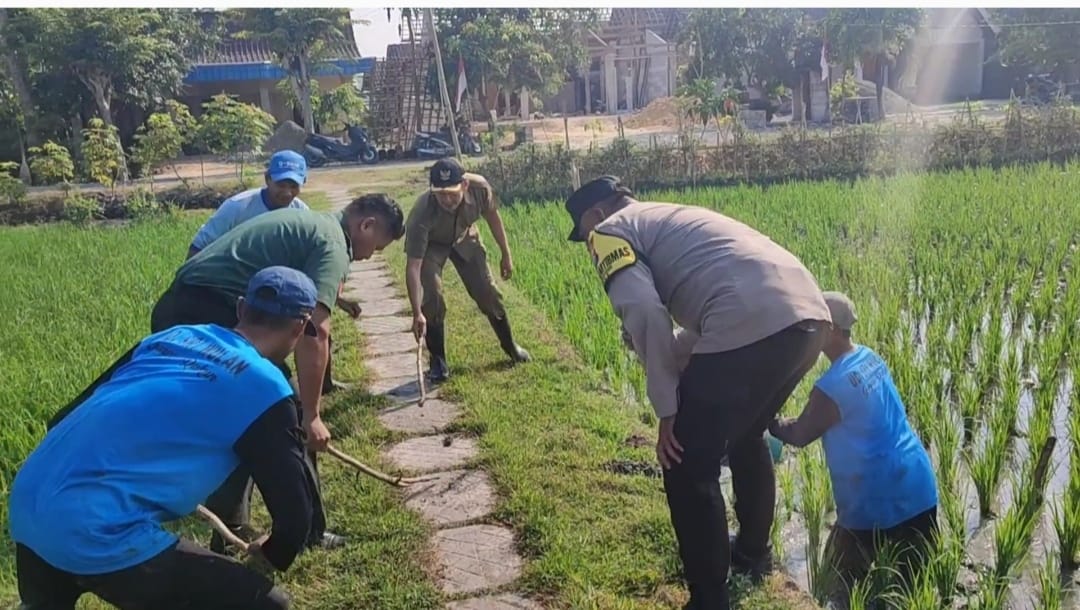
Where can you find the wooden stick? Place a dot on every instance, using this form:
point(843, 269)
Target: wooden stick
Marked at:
point(221, 528)
point(397, 481)
point(420, 373)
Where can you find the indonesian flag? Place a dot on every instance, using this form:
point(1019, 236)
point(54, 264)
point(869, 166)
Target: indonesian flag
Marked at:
point(825, 60)
point(462, 84)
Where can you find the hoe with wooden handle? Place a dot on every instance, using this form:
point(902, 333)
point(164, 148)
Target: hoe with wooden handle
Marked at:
point(420, 373)
point(397, 481)
point(220, 527)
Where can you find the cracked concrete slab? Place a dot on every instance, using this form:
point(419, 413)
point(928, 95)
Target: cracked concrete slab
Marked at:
point(495, 602)
point(453, 498)
point(392, 343)
point(434, 416)
point(386, 307)
point(384, 325)
point(475, 558)
point(394, 366)
point(425, 454)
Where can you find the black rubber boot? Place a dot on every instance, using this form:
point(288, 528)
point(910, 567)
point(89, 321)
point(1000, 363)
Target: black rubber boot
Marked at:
point(506, 339)
point(218, 544)
point(756, 568)
point(438, 371)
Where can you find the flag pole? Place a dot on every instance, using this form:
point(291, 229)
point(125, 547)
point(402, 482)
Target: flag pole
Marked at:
point(442, 82)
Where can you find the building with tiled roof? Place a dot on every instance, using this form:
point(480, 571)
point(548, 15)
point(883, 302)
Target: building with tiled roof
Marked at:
point(250, 71)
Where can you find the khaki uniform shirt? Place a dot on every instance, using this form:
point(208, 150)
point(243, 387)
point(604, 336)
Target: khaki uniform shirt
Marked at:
point(723, 282)
point(428, 222)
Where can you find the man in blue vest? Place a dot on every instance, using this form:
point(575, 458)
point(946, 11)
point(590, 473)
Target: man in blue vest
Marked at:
point(882, 480)
point(148, 441)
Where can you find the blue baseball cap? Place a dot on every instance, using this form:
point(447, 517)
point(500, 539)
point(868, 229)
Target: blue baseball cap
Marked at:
point(281, 291)
point(287, 165)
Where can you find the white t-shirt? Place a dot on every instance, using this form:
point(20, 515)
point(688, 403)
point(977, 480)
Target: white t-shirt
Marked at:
point(234, 211)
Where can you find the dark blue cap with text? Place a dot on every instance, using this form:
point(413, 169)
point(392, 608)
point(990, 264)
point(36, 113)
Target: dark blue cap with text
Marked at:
point(282, 291)
point(590, 194)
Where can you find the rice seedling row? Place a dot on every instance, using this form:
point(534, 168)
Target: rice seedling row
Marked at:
point(966, 283)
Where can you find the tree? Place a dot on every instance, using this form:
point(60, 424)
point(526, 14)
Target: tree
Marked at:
point(514, 48)
point(17, 104)
point(301, 39)
point(139, 56)
point(758, 47)
point(52, 164)
point(879, 32)
point(104, 158)
point(231, 127)
point(1041, 39)
point(332, 109)
point(157, 142)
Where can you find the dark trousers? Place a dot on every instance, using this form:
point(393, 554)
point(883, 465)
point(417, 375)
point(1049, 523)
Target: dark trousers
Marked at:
point(197, 305)
point(185, 577)
point(852, 551)
point(726, 400)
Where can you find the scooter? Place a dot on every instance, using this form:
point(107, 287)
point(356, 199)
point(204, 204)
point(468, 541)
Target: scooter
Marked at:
point(439, 144)
point(320, 150)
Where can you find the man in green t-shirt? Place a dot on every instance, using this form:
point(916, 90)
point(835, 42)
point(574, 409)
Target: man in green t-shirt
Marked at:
point(207, 286)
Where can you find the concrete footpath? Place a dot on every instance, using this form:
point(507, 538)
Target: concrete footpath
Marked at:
point(476, 563)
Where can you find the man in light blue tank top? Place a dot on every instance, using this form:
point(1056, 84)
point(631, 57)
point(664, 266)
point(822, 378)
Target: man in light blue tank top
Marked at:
point(882, 479)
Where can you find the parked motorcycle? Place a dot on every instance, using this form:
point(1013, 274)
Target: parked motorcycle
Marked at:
point(439, 144)
point(320, 150)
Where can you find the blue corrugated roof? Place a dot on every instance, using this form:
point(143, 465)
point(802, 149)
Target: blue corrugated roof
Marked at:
point(206, 73)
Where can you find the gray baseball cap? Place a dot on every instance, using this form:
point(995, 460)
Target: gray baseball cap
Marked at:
point(841, 309)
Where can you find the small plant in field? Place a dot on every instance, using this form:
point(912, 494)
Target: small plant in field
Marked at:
point(51, 163)
point(12, 190)
point(142, 204)
point(1050, 586)
point(1012, 541)
point(159, 141)
point(859, 596)
point(992, 593)
point(987, 464)
point(944, 568)
point(102, 153)
point(79, 208)
point(1066, 511)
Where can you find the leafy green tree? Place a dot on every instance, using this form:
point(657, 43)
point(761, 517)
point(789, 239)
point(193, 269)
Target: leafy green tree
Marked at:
point(159, 141)
point(1042, 39)
point(879, 32)
point(515, 48)
point(16, 103)
point(302, 39)
point(51, 163)
point(332, 109)
point(138, 56)
point(102, 154)
point(231, 127)
point(12, 190)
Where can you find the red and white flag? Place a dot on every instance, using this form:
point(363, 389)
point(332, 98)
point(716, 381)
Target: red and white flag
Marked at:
point(462, 84)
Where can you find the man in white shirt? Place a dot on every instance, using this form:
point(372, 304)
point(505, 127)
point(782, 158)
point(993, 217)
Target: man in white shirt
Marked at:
point(284, 177)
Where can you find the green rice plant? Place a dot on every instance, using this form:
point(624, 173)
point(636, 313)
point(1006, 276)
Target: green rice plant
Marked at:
point(814, 494)
point(921, 594)
point(859, 595)
point(992, 593)
point(948, 545)
point(1066, 511)
point(1051, 590)
point(1012, 541)
point(986, 465)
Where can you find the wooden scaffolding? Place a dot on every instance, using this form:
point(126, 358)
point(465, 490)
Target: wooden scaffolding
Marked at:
point(400, 102)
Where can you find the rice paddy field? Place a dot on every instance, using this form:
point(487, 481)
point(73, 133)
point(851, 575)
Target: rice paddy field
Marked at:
point(966, 283)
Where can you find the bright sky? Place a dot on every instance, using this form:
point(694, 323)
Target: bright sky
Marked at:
point(372, 39)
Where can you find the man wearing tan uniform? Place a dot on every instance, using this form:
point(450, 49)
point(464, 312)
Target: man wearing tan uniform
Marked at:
point(756, 321)
point(441, 226)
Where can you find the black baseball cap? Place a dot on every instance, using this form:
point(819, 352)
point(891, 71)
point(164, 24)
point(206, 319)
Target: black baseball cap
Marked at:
point(447, 175)
point(590, 194)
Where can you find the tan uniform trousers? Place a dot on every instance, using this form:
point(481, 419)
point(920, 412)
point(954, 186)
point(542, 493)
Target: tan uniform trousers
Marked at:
point(470, 259)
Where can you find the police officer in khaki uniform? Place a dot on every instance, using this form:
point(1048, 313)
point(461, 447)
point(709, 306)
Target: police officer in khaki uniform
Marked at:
point(754, 322)
point(441, 226)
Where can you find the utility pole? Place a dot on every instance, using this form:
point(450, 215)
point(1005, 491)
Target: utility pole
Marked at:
point(430, 23)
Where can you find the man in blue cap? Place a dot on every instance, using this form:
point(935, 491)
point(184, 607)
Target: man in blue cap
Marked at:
point(285, 175)
point(757, 321)
point(147, 442)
